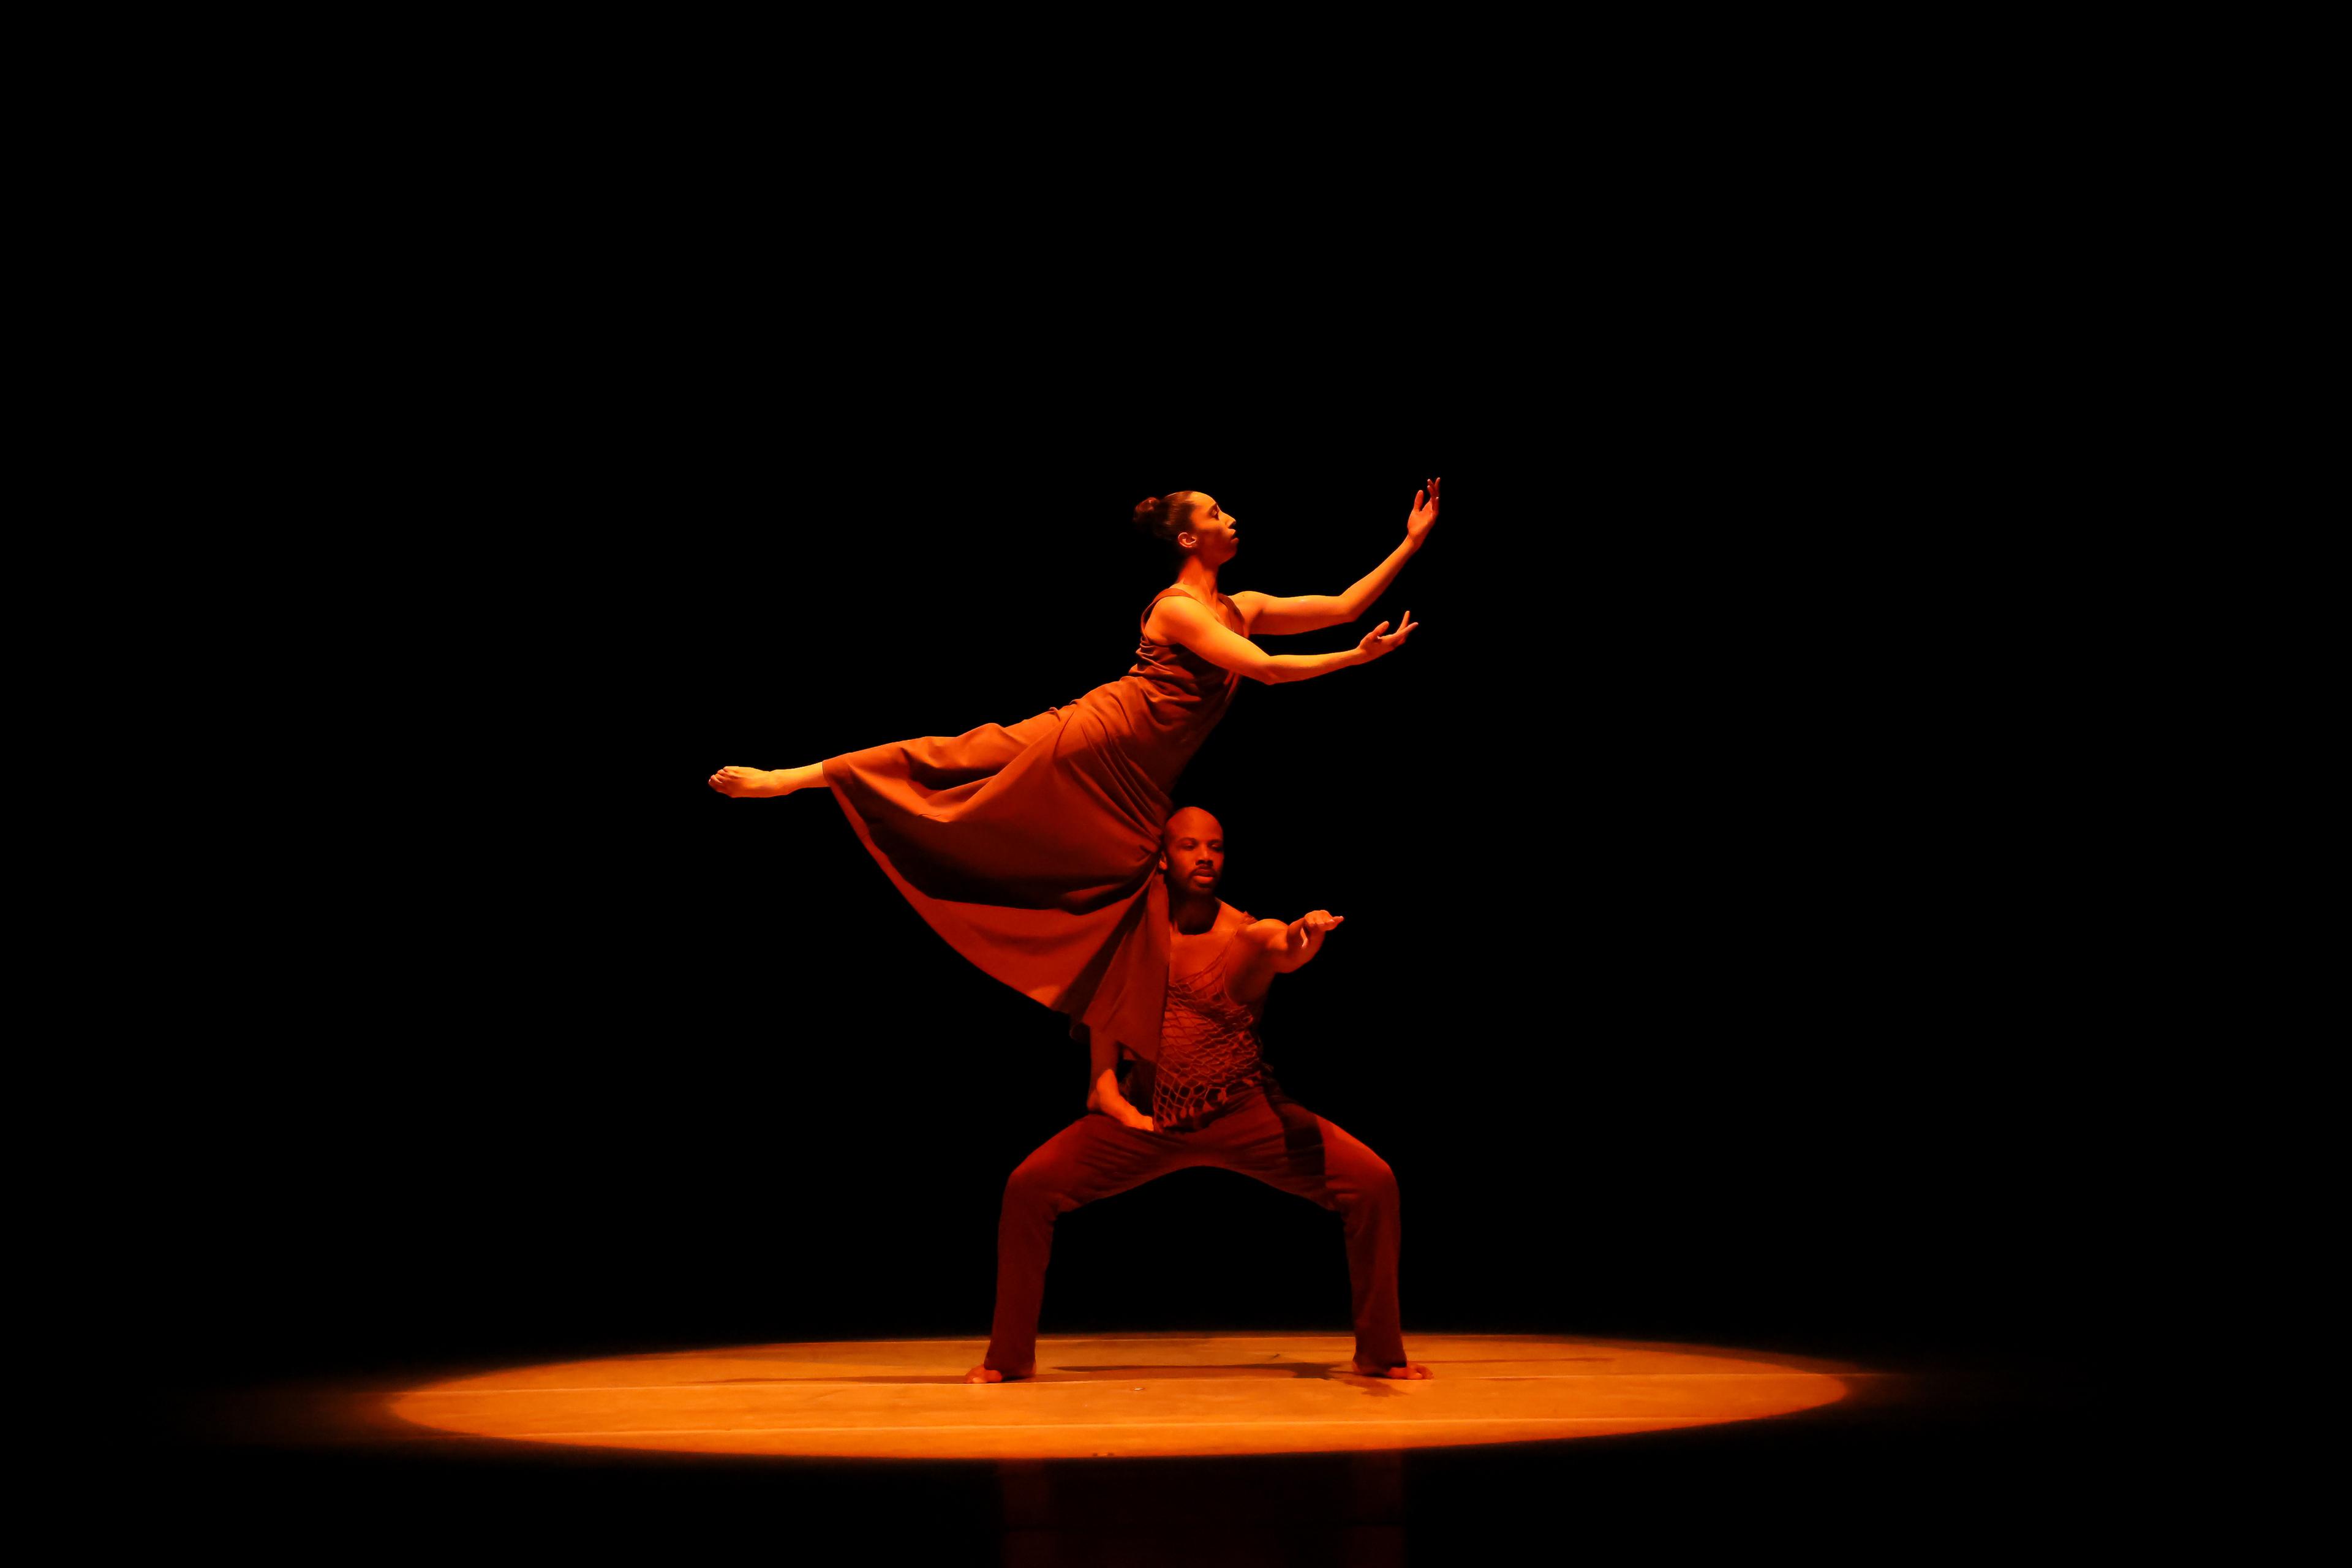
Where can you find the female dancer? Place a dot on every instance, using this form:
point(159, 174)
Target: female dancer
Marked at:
point(1032, 848)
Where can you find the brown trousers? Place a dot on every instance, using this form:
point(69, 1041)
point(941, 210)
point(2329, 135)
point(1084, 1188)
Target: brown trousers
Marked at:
point(1262, 1133)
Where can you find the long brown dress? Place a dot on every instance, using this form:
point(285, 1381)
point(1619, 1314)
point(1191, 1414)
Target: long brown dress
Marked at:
point(1033, 847)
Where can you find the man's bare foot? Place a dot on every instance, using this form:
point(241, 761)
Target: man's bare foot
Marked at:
point(1410, 1371)
point(754, 783)
point(990, 1375)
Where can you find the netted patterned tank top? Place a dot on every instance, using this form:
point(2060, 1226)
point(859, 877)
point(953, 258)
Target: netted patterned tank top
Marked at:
point(1209, 1049)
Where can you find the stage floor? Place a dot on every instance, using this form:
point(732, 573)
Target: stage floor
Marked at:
point(1236, 1449)
point(1139, 1396)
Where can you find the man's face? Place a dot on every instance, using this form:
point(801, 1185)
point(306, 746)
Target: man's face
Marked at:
point(1192, 850)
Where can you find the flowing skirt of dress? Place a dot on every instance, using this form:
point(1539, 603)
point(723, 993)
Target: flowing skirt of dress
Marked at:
point(1033, 849)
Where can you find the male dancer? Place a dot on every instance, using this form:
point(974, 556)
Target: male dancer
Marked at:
point(1212, 1103)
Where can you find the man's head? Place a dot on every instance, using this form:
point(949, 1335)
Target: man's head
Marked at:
point(1193, 853)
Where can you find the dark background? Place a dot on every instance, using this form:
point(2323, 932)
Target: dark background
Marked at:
point(1716, 859)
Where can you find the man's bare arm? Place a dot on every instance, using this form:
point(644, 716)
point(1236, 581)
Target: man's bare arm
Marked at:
point(1279, 949)
point(1302, 939)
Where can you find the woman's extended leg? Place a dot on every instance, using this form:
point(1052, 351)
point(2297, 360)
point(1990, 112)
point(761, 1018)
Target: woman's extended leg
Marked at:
point(751, 783)
point(939, 760)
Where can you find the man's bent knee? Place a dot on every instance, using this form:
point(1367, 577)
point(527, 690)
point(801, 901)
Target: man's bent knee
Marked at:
point(1032, 1186)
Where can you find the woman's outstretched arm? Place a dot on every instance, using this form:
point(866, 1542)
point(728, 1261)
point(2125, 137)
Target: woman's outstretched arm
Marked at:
point(1269, 615)
point(1189, 623)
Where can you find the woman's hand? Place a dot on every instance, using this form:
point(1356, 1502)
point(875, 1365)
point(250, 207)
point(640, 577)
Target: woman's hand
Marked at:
point(1424, 513)
point(1374, 645)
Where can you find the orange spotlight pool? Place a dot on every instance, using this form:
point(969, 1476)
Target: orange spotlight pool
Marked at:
point(1128, 1397)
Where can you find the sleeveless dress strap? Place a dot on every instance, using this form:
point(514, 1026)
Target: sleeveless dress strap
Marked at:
point(1142, 621)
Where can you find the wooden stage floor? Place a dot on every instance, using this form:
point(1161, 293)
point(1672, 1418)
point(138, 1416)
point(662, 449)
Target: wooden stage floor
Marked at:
point(1231, 1448)
point(1144, 1397)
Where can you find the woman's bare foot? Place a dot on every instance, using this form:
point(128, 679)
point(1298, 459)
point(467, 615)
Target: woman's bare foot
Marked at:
point(1410, 1371)
point(990, 1375)
point(754, 783)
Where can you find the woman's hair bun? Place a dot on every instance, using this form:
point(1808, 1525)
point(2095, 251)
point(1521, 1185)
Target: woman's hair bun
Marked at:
point(1151, 516)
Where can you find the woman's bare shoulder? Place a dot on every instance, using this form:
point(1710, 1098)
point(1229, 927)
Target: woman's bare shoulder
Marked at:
point(1159, 620)
point(1177, 605)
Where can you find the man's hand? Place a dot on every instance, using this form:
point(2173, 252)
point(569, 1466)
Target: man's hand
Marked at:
point(1106, 1098)
point(1424, 513)
point(1305, 938)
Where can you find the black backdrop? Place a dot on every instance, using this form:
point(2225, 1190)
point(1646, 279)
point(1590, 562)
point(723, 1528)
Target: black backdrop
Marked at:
point(1709, 861)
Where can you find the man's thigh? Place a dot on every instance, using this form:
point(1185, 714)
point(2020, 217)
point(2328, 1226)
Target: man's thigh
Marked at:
point(1286, 1145)
point(1093, 1157)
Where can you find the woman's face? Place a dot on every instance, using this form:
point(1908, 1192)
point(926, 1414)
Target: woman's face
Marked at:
point(1214, 531)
